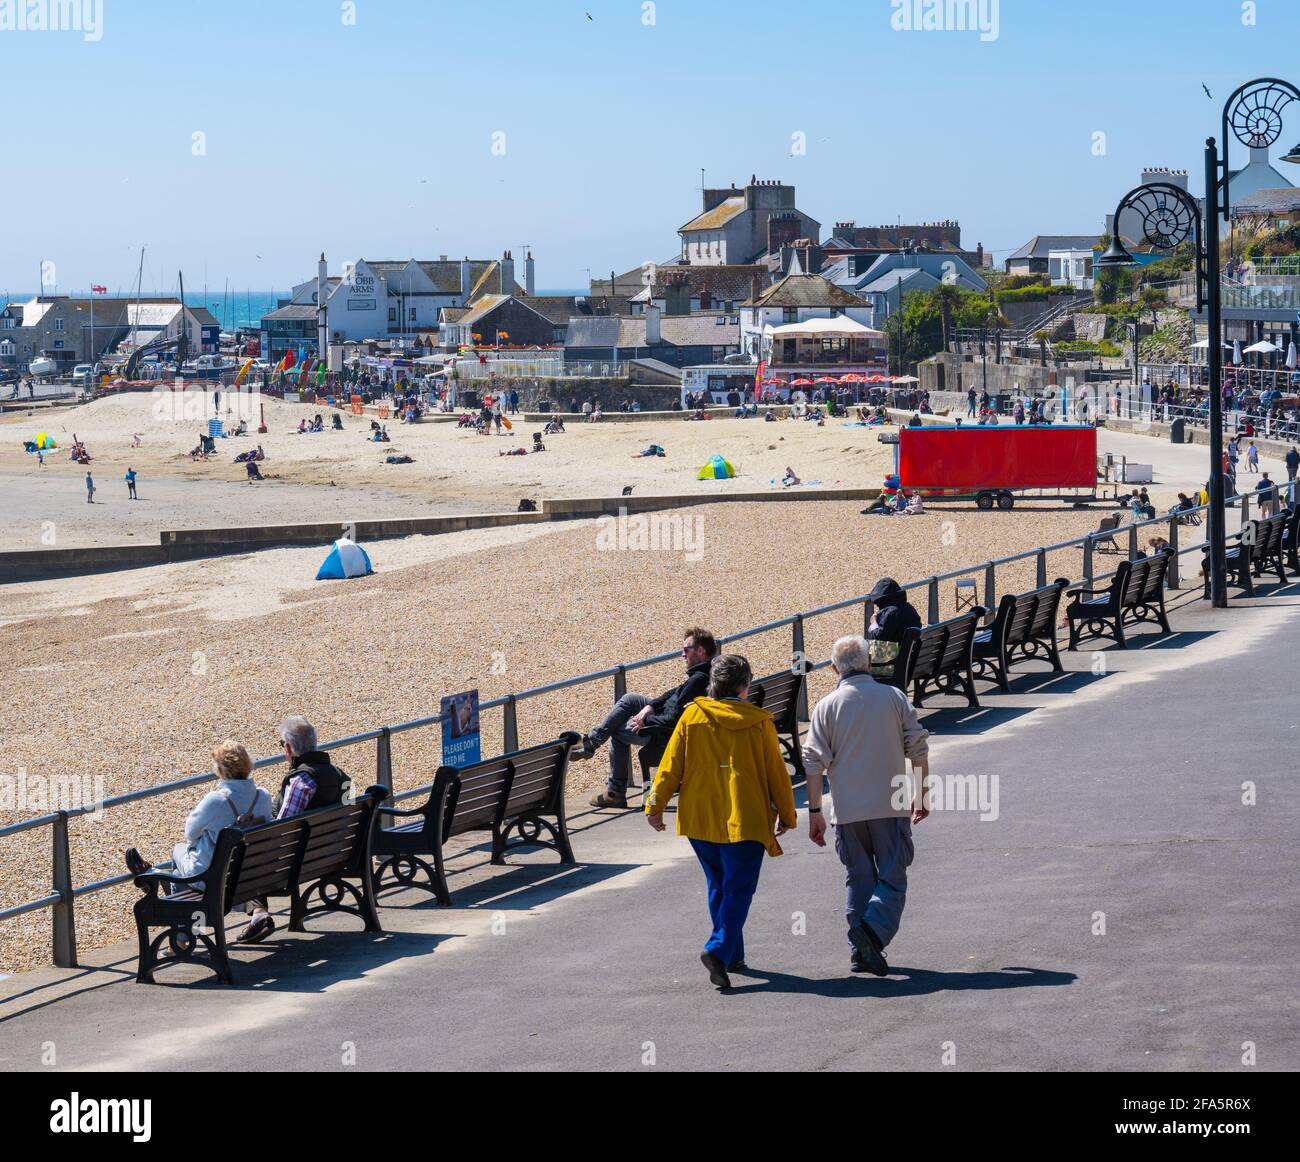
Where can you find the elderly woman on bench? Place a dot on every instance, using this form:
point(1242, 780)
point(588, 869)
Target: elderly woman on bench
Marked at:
point(237, 800)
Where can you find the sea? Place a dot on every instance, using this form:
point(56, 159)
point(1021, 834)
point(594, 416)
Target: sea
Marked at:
point(233, 310)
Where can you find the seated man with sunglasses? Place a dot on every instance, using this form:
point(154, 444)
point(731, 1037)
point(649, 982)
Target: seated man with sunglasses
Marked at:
point(638, 720)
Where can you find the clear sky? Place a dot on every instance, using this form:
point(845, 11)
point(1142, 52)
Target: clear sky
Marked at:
point(374, 138)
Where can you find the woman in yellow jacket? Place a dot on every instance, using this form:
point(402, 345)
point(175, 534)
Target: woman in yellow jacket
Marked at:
point(725, 761)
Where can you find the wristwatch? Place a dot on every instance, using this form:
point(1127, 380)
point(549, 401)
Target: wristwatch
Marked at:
point(814, 810)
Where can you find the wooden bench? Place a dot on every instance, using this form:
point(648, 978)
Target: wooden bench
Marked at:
point(939, 655)
point(323, 853)
point(1289, 534)
point(1136, 594)
point(778, 694)
point(1259, 546)
point(521, 792)
point(1025, 627)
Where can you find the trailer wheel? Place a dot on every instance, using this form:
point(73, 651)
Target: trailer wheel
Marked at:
point(1006, 501)
point(984, 501)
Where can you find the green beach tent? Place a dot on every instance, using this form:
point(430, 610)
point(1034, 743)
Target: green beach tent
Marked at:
point(718, 468)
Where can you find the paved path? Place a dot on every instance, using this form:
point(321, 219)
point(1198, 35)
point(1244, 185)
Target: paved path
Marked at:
point(1119, 792)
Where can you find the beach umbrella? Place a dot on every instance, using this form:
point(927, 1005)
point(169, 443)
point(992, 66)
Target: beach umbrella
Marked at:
point(905, 379)
point(1291, 356)
point(717, 468)
point(802, 381)
point(1236, 351)
point(1263, 347)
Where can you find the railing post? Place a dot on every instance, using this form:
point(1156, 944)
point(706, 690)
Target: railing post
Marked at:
point(932, 605)
point(800, 659)
point(620, 683)
point(1087, 559)
point(1132, 541)
point(64, 917)
point(1245, 508)
point(1172, 576)
point(990, 587)
point(511, 740)
point(868, 611)
point(1040, 569)
point(384, 758)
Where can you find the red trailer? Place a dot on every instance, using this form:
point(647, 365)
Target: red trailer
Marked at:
point(994, 462)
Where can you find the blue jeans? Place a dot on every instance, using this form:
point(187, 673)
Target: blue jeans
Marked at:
point(621, 740)
point(731, 871)
point(875, 854)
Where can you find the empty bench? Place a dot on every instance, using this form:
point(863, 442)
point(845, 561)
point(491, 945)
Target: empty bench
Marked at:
point(323, 854)
point(780, 695)
point(1024, 628)
point(939, 655)
point(1136, 594)
point(1260, 546)
point(517, 797)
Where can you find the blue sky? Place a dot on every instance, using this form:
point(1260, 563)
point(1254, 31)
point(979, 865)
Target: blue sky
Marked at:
point(374, 139)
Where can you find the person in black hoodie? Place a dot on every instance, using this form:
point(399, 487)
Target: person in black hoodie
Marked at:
point(312, 781)
point(638, 720)
point(893, 613)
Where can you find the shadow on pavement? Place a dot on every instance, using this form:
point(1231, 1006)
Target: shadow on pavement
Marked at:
point(970, 719)
point(1178, 640)
point(1046, 682)
point(917, 982)
point(520, 887)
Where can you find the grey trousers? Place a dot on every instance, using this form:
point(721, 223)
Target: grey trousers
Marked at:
point(620, 739)
point(876, 854)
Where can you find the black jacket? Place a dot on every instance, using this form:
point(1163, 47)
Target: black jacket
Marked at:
point(331, 783)
point(668, 707)
point(894, 614)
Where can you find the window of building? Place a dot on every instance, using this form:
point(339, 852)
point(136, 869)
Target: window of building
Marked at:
point(392, 314)
point(412, 314)
point(6, 347)
point(58, 324)
point(58, 343)
point(790, 315)
point(7, 323)
point(834, 346)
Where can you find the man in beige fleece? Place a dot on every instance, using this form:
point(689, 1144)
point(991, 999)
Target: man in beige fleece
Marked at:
point(861, 736)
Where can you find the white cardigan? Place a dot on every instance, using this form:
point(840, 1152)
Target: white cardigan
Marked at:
point(216, 810)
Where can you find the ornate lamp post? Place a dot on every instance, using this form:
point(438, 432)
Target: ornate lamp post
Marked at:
point(1170, 217)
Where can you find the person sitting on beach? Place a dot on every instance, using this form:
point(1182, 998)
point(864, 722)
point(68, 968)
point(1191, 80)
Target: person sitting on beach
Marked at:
point(242, 429)
point(553, 425)
point(254, 472)
point(769, 416)
point(596, 415)
point(650, 450)
point(337, 422)
point(915, 421)
point(135, 439)
point(914, 506)
point(237, 801)
point(789, 479)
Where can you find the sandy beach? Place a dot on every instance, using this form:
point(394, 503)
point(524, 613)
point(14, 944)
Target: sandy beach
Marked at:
point(130, 678)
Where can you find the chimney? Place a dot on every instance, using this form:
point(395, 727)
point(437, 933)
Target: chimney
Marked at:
point(677, 295)
point(652, 333)
point(507, 274)
point(466, 281)
point(530, 285)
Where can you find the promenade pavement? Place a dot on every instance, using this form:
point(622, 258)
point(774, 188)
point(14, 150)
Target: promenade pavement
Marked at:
point(1119, 810)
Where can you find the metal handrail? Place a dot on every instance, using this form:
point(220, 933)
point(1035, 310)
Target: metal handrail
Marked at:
point(62, 898)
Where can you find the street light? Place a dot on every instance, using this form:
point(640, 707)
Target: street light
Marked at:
point(1171, 217)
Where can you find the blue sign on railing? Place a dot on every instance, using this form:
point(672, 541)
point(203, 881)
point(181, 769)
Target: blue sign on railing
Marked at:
point(461, 741)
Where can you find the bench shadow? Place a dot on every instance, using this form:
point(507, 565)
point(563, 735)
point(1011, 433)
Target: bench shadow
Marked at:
point(958, 720)
point(1047, 682)
point(517, 887)
point(1178, 640)
point(916, 982)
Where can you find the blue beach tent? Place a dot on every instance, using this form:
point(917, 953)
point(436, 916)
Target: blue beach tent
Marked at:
point(346, 559)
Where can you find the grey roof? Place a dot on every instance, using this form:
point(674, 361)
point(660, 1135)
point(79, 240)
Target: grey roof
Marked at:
point(292, 311)
point(559, 309)
point(730, 283)
point(806, 290)
point(1268, 201)
point(697, 330)
point(597, 331)
point(891, 278)
point(205, 317)
point(1040, 244)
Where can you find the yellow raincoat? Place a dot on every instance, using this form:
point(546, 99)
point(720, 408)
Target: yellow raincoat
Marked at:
point(725, 760)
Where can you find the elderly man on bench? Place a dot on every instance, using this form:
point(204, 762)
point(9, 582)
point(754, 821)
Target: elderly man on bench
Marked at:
point(638, 720)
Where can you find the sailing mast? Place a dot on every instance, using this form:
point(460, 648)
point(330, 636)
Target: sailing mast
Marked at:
point(135, 325)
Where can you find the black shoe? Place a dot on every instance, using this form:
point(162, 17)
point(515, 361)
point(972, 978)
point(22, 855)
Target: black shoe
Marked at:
point(135, 862)
point(737, 966)
point(258, 930)
point(868, 949)
point(584, 750)
point(717, 970)
point(609, 799)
